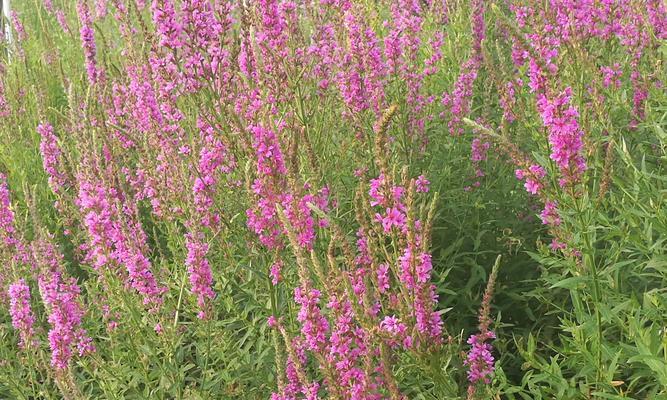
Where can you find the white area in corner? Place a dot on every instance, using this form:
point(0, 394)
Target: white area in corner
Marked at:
point(6, 8)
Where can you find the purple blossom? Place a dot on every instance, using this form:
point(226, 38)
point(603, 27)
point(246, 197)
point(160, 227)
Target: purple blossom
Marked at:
point(268, 187)
point(361, 70)
point(101, 9)
point(166, 22)
point(21, 34)
point(201, 277)
point(422, 184)
point(62, 21)
point(48, 5)
point(60, 296)
point(213, 159)
point(393, 218)
point(611, 75)
point(383, 278)
point(51, 157)
point(116, 238)
point(550, 215)
point(274, 272)
point(7, 230)
point(314, 326)
point(396, 329)
point(88, 41)
point(479, 360)
point(565, 134)
point(20, 310)
point(534, 178)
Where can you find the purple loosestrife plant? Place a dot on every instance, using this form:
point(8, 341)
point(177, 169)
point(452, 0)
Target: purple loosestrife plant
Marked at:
point(565, 135)
point(23, 318)
point(202, 96)
point(7, 229)
point(17, 24)
point(479, 360)
point(87, 35)
point(10, 241)
point(66, 335)
point(201, 278)
point(361, 68)
point(52, 158)
point(116, 238)
point(267, 187)
point(167, 25)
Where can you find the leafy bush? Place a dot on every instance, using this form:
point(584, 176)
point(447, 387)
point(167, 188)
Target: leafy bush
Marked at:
point(333, 199)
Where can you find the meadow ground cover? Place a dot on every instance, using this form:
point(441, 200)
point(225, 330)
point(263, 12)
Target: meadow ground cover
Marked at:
point(333, 199)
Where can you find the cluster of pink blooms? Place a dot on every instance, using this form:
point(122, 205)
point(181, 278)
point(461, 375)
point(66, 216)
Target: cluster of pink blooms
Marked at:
point(62, 21)
point(402, 47)
point(550, 214)
point(201, 277)
point(612, 75)
point(330, 328)
point(565, 135)
point(20, 310)
point(274, 272)
point(533, 176)
point(88, 41)
point(480, 361)
point(5, 110)
point(270, 189)
point(295, 386)
point(52, 157)
point(60, 296)
point(507, 99)
point(213, 160)
point(559, 116)
point(348, 348)
point(21, 34)
point(166, 23)
point(422, 184)
point(116, 238)
point(101, 9)
point(250, 62)
point(314, 326)
point(414, 265)
point(48, 5)
point(564, 21)
point(361, 78)
point(7, 229)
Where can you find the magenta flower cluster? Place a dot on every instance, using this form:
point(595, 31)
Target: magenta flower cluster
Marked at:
point(565, 135)
point(116, 238)
point(199, 269)
point(7, 230)
point(480, 360)
point(66, 336)
point(87, 35)
point(52, 157)
point(23, 319)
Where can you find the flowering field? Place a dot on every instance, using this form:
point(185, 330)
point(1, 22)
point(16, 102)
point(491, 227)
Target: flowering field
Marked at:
point(333, 199)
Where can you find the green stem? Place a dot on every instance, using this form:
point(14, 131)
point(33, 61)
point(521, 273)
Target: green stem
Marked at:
point(208, 354)
point(180, 300)
point(589, 261)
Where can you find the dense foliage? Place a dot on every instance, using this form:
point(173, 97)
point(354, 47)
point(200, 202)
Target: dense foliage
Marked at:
point(345, 199)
